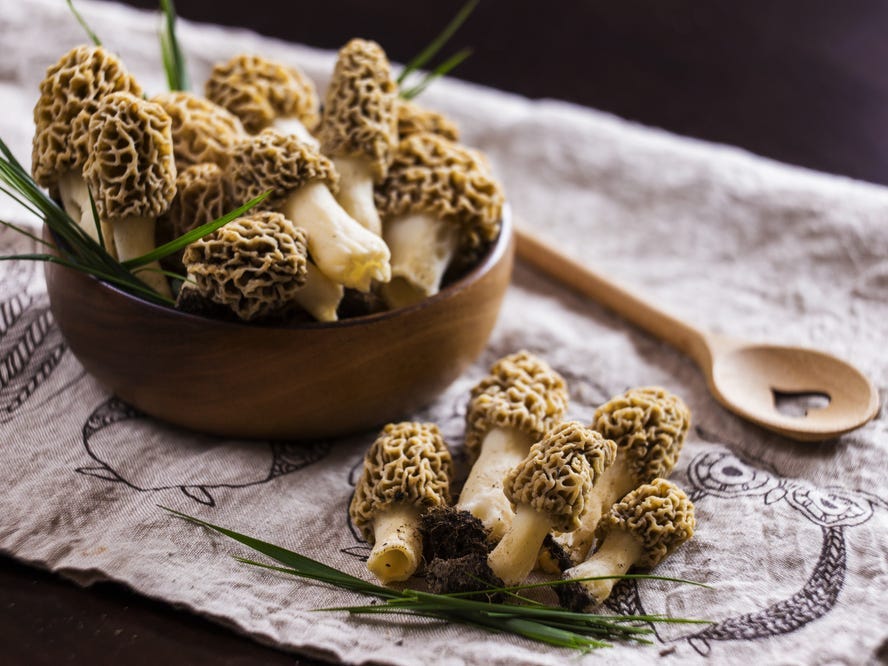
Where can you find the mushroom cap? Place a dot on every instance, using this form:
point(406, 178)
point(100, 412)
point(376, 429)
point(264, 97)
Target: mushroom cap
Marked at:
point(559, 472)
point(649, 426)
point(202, 131)
point(522, 392)
point(359, 110)
point(258, 90)
point(202, 194)
point(409, 463)
point(278, 162)
point(414, 119)
point(130, 169)
point(69, 95)
point(429, 174)
point(253, 265)
point(658, 514)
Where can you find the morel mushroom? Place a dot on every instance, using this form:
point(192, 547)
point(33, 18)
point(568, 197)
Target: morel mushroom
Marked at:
point(548, 490)
point(202, 131)
point(406, 472)
point(69, 95)
point(642, 529)
point(414, 119)
point(509, 410)
point(263, 94)
point(438, 197)
point(254, 266)
point(358, 126)
point(649, 426)
point(132, 175)
point(202, 195)
point(299, 178)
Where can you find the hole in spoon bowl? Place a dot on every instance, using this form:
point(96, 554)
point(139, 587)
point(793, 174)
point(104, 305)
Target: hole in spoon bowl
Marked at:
point(798, 404)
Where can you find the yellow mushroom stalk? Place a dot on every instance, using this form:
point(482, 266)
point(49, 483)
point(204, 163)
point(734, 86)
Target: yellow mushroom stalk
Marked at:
point(438, 201)
point(639, 531)
point(264, 93)
point(358, 127)
point(548, 489)
point(253, 266)
point(509, 410)
point(300, 179)
point(406, 472)
point(649, 426)
point(69, 95)
point(131, 173)
point(320, 296)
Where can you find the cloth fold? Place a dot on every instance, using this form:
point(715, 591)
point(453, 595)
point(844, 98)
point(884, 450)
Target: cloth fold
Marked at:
point(792, 536)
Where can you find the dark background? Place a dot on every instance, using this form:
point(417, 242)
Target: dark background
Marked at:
point(803, 81)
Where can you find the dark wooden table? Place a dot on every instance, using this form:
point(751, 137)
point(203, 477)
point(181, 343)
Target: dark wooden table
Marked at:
point(802, 81)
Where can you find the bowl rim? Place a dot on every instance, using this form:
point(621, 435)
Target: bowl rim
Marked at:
point(491, 258)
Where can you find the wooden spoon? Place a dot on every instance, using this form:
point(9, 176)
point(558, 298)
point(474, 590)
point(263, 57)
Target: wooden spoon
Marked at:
point(745, 377)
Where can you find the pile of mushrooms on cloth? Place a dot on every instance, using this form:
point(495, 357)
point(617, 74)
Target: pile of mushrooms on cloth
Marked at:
point(370, 200)
point(586, 502)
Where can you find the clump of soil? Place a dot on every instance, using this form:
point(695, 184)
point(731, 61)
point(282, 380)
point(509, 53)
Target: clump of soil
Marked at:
point(468, 573)
point(449, 534)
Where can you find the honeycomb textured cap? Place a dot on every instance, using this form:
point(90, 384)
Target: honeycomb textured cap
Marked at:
point(253, 265)
point(278, 162)
point(409, 463)
point(130, 169)
point(521, 392)
point(649, 425)
point(69, 95)
point(558, 473)
point(258, 90)
point(432, 175)
point(202, 131)
point(415, 119)
point(359, 110)
point(202, 195)
point(658, 514)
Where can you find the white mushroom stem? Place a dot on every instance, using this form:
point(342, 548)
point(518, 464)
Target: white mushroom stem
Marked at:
point(295, 127)
point(422, 247)
point(134, 237)
point(482, 495)
point(319, 296)
point(614, 483)
point(356, 192)
point(74, 193)
point(343, 250)
point(619, 551)
point(516, 553)
point(398, 545)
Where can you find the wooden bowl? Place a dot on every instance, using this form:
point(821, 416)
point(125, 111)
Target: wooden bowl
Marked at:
point(302, 382)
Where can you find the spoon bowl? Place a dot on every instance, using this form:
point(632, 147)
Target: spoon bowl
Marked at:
point(750, 379)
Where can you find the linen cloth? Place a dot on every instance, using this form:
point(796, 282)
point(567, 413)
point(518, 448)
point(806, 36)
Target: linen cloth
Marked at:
point(793, 536)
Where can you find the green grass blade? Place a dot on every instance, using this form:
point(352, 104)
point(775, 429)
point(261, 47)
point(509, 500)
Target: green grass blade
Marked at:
point(436, 44)
point(96, 220)
point(441, 70)
point(303, 565)
point(95, 39)
point(24, 232)
point(184, 240)
point(171, 51)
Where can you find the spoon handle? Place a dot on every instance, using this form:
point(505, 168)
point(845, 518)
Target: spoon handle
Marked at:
point(582, 279)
